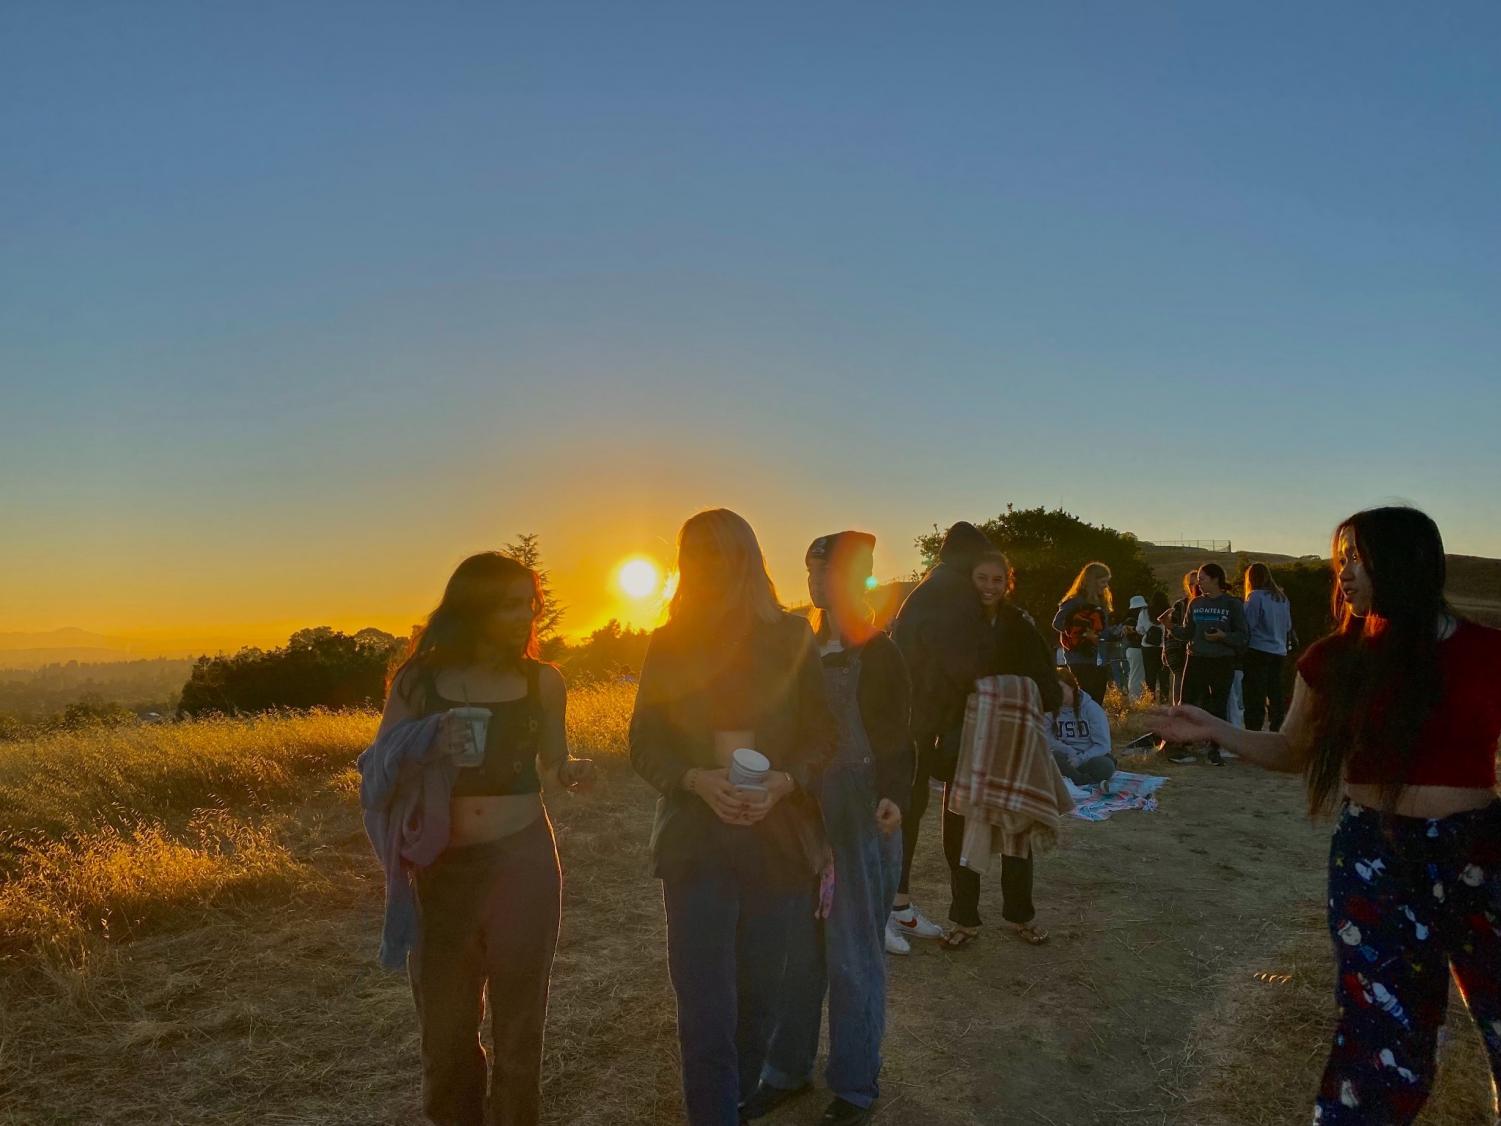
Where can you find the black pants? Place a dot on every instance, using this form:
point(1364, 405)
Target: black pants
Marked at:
point(1263, 689)
point(1151, 659)
point(1206, 683)
point(1094, 679)
point(928, 768)
point(1175, 668)
point(964, 884)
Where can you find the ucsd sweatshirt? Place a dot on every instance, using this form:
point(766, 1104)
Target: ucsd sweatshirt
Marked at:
point(1081, 732)
point(1223, 612)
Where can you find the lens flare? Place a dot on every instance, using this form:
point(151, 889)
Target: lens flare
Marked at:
point(639, 578)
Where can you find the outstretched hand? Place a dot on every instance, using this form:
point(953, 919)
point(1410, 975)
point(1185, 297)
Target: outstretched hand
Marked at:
point(1182, 724)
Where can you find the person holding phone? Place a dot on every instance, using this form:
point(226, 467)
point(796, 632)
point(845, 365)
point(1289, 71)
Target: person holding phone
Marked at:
point(489, 905)
point(1215, 631)
point(730, 669)
point(860, 794)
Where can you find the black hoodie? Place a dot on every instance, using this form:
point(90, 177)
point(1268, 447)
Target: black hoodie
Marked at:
point(942, 633)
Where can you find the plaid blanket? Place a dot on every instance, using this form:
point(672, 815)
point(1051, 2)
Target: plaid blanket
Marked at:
point(1006, 785)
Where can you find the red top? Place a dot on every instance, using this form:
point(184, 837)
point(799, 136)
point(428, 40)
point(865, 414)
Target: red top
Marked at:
point(1458, 742)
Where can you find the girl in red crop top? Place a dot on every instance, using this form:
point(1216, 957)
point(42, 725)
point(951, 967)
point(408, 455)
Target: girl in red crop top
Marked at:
point(1396, 718)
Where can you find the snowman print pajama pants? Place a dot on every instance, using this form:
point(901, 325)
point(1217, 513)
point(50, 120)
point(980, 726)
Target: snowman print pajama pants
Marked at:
point(1409, 902)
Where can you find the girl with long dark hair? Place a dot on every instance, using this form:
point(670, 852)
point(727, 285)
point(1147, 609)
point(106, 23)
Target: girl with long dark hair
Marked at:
point(731, 671)
point(489, 905)
point(1269, 624)
point(1215, 631)
point(1395, 721)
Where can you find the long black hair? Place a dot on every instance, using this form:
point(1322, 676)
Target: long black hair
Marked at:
point(1390, 655)
point(452, 632)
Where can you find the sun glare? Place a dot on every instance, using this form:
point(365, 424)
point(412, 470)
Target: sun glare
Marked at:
point(639, 578)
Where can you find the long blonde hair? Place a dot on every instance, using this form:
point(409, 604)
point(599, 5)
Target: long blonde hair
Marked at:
point(722, 575)
point(1080, 589)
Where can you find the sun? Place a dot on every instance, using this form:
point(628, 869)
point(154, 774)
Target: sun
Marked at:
point(639, 578)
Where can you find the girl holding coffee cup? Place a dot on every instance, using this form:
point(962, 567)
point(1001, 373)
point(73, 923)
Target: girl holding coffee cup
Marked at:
point(730, 671)
point(490, 904)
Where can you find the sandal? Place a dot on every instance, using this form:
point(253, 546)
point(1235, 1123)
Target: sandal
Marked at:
point(958, 938)
point(1030, 934)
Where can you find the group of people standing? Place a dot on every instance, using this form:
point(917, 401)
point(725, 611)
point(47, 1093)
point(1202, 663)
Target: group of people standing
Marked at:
point(783, 901)
point(781, 895)
point(1210, 648)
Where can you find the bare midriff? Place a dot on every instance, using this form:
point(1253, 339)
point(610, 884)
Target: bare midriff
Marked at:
point(482, 818)
point(1423, 801)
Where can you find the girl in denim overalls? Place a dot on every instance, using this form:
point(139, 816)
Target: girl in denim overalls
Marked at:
point(858, 794)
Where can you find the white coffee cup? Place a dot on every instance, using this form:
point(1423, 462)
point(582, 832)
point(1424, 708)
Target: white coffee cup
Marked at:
point(748, 768)
point(478, 720)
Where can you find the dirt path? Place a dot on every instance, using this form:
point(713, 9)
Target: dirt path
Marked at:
point(1153, 916)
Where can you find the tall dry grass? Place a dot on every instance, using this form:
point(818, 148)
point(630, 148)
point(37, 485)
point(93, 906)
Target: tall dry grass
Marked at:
point(194, 941)
point(114, 832)
point(62, 784)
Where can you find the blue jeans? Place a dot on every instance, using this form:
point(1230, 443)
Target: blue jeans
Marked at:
point(727, 935)
point(844, 954)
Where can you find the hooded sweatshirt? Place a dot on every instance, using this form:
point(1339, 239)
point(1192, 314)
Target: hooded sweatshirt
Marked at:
point(943, 636)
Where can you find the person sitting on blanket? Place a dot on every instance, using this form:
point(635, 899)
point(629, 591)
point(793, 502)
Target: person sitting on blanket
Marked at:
point(1080, 736)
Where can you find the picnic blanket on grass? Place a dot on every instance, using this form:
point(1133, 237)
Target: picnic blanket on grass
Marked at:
point(1127, 791)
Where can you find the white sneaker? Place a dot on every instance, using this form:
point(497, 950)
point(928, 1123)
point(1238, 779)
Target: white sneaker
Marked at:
point(914, 924)
point(895, 943)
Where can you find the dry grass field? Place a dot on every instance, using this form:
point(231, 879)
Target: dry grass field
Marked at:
point(189, 918)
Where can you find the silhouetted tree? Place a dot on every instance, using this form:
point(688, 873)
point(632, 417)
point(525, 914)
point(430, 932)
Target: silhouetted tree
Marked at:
point(528, 552)
point(611, 651)
point(319, 667)
point(1047, 549)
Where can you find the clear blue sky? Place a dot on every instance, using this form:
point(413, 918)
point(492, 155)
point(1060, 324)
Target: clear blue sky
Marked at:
point(300, 302)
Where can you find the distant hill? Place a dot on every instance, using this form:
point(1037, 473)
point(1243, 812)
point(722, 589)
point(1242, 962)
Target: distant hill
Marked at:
point(1170, 564)
point(1474, 581)
point(33, 650)
point(1475, 587)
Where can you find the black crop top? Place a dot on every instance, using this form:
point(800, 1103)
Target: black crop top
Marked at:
point(511, 742)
